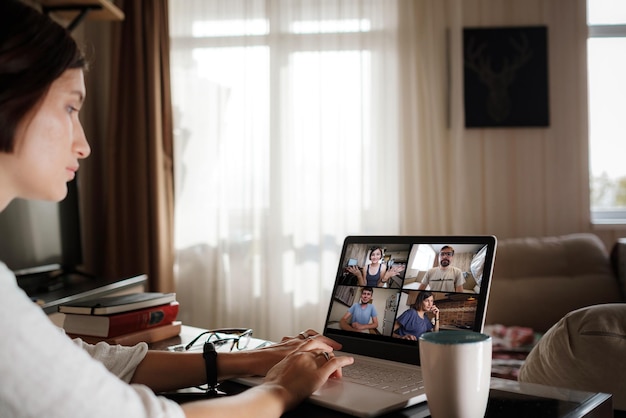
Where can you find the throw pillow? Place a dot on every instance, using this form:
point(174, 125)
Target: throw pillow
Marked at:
point(585, 350)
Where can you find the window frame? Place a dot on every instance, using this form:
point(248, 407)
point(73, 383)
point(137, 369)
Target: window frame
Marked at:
point(605, 216)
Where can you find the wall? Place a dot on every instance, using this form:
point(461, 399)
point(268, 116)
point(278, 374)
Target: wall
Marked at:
point(510, 182)
point(537, 178)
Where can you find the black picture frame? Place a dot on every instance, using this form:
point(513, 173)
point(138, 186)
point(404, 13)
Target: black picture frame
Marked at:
point(505, 74)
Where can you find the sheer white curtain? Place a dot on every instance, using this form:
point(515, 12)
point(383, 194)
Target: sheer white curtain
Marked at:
point(287, 140)
point(300, 122)
point(443, 171)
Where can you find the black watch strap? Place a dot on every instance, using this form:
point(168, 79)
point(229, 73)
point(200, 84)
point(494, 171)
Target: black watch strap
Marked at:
point(209, 353)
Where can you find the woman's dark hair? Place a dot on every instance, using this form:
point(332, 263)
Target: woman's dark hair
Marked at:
point(420, 299)
point(34, 51)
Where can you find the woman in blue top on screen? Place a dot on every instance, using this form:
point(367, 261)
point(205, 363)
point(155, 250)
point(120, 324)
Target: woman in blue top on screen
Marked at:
point(375, 274)
point(414, 322)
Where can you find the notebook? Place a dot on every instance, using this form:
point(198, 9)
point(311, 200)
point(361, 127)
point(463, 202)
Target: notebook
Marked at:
point(386, 374)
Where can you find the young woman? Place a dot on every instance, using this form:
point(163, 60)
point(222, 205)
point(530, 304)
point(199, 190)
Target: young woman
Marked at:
point(414, 322)
point(375, 274)
point(42, 371)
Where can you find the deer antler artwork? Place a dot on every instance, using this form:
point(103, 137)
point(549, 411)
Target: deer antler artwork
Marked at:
point(498, 76)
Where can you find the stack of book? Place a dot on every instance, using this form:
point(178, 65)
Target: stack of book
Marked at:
point(125, 320)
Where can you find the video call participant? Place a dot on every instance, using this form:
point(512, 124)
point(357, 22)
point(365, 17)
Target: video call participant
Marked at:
point(414, 322)
point(361, 316)
point(375, 274)
point(444, 277)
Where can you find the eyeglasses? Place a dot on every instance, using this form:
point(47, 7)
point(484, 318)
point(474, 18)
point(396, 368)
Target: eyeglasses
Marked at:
point(446, 253)
point(236, 337)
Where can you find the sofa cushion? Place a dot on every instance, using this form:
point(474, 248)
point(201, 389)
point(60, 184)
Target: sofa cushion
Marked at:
point(536, 281)
point(585, 350)
point(571, 255)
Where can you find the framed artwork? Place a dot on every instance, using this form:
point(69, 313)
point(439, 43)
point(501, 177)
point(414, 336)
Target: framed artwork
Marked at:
point(506, 77)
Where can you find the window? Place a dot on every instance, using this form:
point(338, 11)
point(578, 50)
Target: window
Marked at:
point(260, 96)
point(286, 122)
point(607, 124)
point(424, 259)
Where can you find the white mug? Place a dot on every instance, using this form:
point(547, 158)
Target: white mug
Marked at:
point(456, 367)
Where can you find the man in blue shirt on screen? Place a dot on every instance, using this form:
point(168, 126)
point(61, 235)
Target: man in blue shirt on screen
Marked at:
point(362, 316)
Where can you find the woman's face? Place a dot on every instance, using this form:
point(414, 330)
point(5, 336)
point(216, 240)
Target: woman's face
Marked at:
point(49, 143)
point(427, 304)
point(375, 255)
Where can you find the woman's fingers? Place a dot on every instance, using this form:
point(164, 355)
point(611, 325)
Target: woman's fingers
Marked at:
point(312, 334)
point(302, 335)
point(304, 371)
point(333, 364)
point(320, 341)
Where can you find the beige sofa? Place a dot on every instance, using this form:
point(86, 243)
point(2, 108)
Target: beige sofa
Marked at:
point(537, 281)
point(572, 288)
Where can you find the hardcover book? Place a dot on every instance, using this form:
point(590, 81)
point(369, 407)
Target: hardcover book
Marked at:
point(121, 323)
point(114, 304)
point(149, 335)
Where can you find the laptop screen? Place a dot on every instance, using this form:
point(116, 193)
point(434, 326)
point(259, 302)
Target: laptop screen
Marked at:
point(390, 289)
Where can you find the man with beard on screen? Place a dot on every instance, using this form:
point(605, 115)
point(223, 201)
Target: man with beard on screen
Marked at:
point(444, 277)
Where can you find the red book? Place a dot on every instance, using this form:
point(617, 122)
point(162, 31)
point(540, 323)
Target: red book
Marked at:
point(108, 326)
point(150, 335)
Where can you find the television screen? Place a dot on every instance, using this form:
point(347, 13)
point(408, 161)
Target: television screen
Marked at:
point(38, 237)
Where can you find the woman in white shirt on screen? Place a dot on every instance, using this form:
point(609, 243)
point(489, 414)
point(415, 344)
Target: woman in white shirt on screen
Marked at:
point(42, 371)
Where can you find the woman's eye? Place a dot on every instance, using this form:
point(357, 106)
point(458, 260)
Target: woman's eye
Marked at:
point(71, 109)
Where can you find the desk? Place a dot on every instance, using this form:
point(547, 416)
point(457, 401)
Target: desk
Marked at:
point(508, 398)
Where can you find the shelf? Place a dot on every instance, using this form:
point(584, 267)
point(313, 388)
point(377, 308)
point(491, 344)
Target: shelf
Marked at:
point(77, 10)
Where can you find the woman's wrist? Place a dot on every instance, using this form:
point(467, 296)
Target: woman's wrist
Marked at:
point(279, 396)
point(240, 363)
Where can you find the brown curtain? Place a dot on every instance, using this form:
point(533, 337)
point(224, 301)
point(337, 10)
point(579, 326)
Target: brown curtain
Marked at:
point(136, 228)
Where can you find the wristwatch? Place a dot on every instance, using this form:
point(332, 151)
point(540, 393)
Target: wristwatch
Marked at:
point(209, 353)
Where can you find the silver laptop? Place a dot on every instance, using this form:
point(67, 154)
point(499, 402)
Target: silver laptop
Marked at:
point(386, 375)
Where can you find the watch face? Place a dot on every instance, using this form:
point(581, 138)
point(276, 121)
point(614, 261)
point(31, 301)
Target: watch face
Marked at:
point(209, 348)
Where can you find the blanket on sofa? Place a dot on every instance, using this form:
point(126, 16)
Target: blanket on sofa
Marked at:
point(511, 346)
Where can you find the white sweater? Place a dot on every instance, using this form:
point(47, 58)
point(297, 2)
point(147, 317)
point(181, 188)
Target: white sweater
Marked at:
point(43, 373)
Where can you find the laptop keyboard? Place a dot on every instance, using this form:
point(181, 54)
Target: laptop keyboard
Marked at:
point(388, 379)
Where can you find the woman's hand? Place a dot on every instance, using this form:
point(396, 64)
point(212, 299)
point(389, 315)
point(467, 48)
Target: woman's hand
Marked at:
point(296, 367)
point(305, 370)
point(396, 269)
point(313, 334)
point(354, 270)
point(263, 359)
